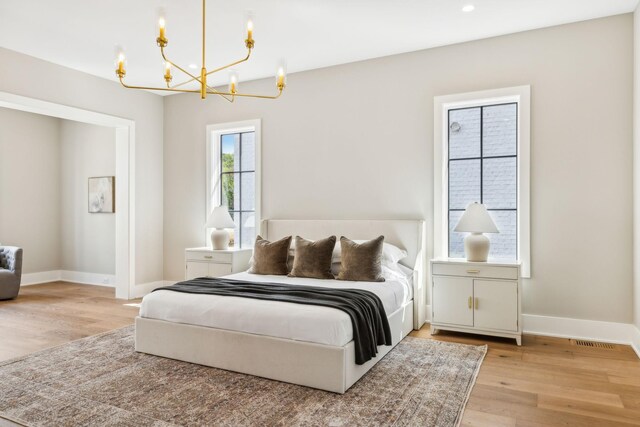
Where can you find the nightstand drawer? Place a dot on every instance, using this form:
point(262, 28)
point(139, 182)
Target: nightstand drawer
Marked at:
point(210, 257)
point(201, 262)
point(488, 271)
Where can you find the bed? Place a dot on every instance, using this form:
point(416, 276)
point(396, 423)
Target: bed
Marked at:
point(259, 337)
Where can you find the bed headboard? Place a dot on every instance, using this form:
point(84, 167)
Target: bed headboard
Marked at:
point(406, 234)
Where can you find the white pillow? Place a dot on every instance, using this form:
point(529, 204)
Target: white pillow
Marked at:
point(390, 253)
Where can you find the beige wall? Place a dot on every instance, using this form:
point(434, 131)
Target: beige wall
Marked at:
point(636, 169)
point(87, 240)
point(35, 78)
point(356, 141)
point(44, 166)
point(30, 187)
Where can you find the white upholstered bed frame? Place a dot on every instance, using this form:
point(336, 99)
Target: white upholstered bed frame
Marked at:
point(319, 366)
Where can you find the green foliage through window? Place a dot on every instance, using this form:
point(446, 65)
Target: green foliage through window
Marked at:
point(228, 182)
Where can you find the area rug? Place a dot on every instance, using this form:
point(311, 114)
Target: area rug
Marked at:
point(102, 381)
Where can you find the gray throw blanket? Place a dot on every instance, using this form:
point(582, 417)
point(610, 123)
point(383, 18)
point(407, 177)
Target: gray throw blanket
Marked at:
point(368, 318)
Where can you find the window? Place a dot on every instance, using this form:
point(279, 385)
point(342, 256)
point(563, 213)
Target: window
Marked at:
point(482, 155)
point(233, 154)
point(483, 168)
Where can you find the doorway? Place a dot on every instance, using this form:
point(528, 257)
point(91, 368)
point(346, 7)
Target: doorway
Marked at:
point(124, 184)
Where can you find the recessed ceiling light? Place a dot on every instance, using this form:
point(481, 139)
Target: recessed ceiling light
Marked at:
point(193, 66)
point(468, 8)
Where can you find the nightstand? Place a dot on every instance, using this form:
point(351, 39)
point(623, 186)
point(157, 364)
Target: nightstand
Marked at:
point(205, 262)
point(476, 297)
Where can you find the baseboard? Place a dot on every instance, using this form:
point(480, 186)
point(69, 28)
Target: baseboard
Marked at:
point(88, 278)
point(592, 330)
point(81, 277)
point(40, 277)
point(85, 278)
point(635, 340)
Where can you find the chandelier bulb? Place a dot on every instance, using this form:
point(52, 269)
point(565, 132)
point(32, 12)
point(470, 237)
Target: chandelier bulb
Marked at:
point(121, 62)
point(249, 42)
point(233, 82)
point(162, 28)
point(167, 71)
point(281, 76)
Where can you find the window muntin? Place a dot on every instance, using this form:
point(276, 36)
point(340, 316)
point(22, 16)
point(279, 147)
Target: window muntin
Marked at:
point(482, 167)
point(237, 159)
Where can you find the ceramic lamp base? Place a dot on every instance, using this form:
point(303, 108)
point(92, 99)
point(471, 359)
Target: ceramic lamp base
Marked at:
point(220, 239)
point(476, 247)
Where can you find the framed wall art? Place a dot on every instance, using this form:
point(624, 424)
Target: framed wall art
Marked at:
point(102, 194)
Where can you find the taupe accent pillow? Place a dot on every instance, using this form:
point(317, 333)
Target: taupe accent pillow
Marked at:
point(313, 258)
point(361, 262)
point(270, 257)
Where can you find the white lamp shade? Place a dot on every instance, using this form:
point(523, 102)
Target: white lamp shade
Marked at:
point(476, 219)
point(220, 218)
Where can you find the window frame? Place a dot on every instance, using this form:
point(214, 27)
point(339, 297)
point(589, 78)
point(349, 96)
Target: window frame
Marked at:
point(237, 173)
point(214, 133)
point(520, 95)
point(481, 158)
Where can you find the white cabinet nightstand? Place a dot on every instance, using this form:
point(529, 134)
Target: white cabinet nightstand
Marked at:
point(205, 262)
point(476, 297)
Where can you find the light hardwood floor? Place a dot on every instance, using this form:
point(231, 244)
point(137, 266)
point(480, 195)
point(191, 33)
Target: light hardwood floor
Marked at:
point(550, 382)
point(55, 313)
point(546, 382)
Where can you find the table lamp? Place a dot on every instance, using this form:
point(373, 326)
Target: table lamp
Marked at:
point(219, 220)
point(476, 220)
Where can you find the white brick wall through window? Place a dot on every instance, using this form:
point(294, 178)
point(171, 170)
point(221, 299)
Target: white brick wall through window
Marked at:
point(482, 167)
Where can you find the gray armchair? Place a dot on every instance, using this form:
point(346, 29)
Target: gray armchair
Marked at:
point(10, 271)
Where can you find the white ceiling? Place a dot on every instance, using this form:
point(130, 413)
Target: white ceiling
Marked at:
point(309, 34)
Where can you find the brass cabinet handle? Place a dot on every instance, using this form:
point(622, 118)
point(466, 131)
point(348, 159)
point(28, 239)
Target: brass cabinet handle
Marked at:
point(473, 271)
point(469, 302)
point(476, 303)
point(208, 256)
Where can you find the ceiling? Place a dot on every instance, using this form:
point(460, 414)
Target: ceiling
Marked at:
point(308, 34)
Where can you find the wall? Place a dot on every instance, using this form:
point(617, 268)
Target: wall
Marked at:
point(356, 141)
point(35, 78)
point(44, 166)
point(636, 173)
point(30, 187)
point(88, 240)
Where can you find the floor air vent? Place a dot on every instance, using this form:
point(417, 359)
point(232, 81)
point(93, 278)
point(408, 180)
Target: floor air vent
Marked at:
point(583, 343)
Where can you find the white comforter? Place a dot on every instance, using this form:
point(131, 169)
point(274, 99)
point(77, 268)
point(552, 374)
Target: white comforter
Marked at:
point(310, 323)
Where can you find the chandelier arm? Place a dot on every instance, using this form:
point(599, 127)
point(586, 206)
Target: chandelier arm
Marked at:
point(213, 91)
point(224, 97)
point(209, 89)
point(183, 83)
point(248, 95)
point(178, 67)
point(246, 58)
point(156, 88)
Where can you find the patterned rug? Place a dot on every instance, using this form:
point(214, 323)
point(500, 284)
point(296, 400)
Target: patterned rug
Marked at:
point(102, 381)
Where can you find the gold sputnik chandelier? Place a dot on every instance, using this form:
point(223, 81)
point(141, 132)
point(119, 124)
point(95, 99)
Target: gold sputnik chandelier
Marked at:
point(201, 80)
